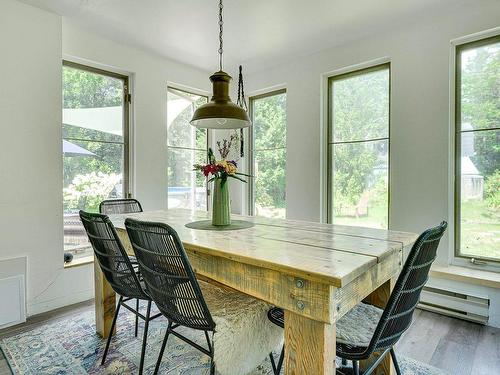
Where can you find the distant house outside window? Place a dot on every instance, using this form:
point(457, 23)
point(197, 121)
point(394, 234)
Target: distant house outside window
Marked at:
point(477, 156)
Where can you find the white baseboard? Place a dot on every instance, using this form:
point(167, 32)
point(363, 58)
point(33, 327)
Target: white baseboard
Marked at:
point(44, 306)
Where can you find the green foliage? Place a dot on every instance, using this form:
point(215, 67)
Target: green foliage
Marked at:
point(360, 107)
point(360, 111)
point(480, 87)
point(88, 190)
point(492, 190)
point(89, 179)
point(82, 89)
point(181, 134)
point(269, 122)
point(108, 157)
point(480, 107)
point(480, 104)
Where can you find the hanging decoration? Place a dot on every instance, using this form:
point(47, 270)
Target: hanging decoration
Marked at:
point(241, 101)
point(220, 112)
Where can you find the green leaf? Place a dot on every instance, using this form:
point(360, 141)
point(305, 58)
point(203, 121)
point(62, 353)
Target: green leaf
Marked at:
point(237, 178)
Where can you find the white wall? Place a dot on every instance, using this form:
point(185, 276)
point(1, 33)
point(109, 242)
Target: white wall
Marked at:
point(33, 43)
point(30, 144)
point(420, 63)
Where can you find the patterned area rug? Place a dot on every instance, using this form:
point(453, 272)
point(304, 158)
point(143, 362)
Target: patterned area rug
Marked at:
point(71, 346)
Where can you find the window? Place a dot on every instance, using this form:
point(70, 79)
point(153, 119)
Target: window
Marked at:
point(187, 145)
point(358, 148)
point(95, 146)
point(477, 161)
point(268, 155)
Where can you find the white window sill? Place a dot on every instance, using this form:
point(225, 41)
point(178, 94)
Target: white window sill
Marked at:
point(468, 275)
point(80, 261)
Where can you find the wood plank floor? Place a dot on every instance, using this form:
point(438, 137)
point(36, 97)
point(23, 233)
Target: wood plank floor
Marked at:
point(457, 346)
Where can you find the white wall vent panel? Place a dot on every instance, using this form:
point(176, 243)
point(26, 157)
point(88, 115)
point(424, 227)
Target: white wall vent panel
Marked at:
point(456, 304)
point(12, 293)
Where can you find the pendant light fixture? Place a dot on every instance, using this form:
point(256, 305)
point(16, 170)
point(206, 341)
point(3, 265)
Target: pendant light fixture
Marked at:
point(220, 112)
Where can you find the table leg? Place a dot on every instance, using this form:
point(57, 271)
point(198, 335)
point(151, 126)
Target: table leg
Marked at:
point(309, 346)
point(105, 302)
point(379, 298)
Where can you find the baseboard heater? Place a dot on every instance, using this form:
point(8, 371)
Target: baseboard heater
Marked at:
point(455, 304)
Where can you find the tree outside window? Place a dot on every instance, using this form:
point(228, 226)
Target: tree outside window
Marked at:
point(268, 196)
point(358, 148)
point(94, 147)
point(478, 150)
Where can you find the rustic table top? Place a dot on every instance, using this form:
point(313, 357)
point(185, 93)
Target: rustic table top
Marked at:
point(332, 254)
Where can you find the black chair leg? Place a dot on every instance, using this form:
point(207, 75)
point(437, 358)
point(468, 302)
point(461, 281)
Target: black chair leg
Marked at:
point(277, 368)
point(160, 356)
point(355, 367)
point(212, 366)
point(280, 361)
point(273, 365)
point(144, 340)
point(111, 330)
point(136, 316)
point(395, 361)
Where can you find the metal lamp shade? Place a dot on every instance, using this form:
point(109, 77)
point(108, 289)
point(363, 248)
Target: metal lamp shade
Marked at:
point(220, 112)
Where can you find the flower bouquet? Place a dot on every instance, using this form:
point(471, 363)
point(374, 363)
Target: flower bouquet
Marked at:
point(219, 171)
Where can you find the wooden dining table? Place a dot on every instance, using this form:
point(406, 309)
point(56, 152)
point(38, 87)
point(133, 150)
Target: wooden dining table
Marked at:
point(315, 272)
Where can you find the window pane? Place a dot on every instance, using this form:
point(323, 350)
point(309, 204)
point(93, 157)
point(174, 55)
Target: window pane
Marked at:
point(180, 109)
point(480, 194)
point(95, 174)
point(72, 132)
point(269, 155)
point(269, 182)
point(92, 172)
point(93, 148)
point(269, 122)
point(186, 189)
point(360, 183)
point(92, 105)
point(187, 146)
point(480, 80)
point(360, 106)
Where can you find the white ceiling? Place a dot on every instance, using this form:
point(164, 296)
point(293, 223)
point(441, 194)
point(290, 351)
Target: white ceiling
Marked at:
point(258, 33)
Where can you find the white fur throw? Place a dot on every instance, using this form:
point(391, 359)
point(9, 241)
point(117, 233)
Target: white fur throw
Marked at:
point(357, 326)
point(244, 335)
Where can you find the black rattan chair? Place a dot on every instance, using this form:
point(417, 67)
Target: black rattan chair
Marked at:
point(120, 206)
point(367, 329)
point(123, 206)
point(118, 271)
point(171, 283)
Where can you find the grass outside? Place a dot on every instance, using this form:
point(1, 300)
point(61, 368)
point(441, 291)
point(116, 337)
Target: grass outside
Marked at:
point(376, 218)
point(272, 212)
point(480, 230)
